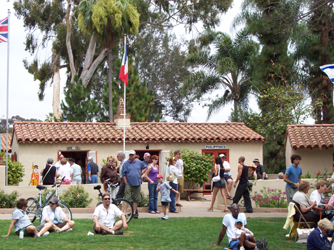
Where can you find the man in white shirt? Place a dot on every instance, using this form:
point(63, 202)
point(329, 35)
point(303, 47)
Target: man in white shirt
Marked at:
point(180, 180)
point(104, 218)
point(58, 163)
point(230, 228)
point(227, 176)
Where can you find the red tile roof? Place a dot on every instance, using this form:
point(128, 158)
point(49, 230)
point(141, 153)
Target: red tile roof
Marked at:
point(311, 136)
point(3, 141)
point(139, 132)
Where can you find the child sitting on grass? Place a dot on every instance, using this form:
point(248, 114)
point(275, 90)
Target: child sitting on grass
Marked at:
point(239, 231)
point(165, 198)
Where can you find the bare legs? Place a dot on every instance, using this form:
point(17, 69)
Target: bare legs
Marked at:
point(46, 227)
point(243, 242)
point(213, 199)
point(165, 209)
point(118, 226)
point(222, 191)
point(229, 187)
point(177, 198)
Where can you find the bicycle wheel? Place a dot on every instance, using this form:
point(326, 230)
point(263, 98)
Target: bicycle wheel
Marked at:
point(32, 209)
point(126, 207)
point(66, 210)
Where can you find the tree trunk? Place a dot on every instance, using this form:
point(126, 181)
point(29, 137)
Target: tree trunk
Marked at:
point(56, 86)
point(110, 73)
point(68, 18)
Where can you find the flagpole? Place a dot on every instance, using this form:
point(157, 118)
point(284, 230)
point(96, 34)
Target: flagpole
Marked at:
point(7, 98)
point(124, 104)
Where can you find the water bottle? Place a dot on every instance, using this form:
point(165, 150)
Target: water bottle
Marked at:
point(48, 195)
point(21, 234)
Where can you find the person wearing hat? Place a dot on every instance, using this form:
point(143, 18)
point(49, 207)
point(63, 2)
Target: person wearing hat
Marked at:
point(261, 174)
point(252, 172)
point(147, 157)
point(229, 228)
point(93, 171)
point(165, 198)
point(54, 214)
point(227, 176)
point(240, 233)
point(131, 172)
point(76, 179)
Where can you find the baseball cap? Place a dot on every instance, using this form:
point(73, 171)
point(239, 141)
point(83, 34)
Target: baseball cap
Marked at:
point(54, 200)
point(132, 152)
point(90, 158)
point(71, 160)
point(147, 154)
point(256, 160)
point(221, 155)
point(239, 220)
point(159, 176)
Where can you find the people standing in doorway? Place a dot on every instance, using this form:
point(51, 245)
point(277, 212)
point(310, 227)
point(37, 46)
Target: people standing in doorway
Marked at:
point(261, 174)
point(49, 173)
point(76, 177)
point(131, 172)
point(121, 158)
point(180, 179)
point(58, 163)
point(172, 169)
point(109, 171)
point(227, 176)
point(93, 171)
point(242, 189)
point(219, 185)
point(151, 174)
point(147, 157)
point(292, 177)
point(66, 172)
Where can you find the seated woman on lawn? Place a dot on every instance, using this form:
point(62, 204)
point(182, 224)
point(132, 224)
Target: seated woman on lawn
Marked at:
point(317, 240)
point(20, 221)
point(304, 204)
point(54, 214)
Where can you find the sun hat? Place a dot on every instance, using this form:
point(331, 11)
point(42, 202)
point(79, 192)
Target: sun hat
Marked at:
point(132, 152)
point(239, 220)
point(159, 176)
point(54, 200)
point(256, 160)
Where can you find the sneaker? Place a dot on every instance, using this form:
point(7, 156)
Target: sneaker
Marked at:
point(164, 217)
point(46, 233)
point(135, 216)
point(259, 244)
point(242, 248)
point(118, 232)
point(57, 231)
point(69, 230)
point(265, 243)
point(104, 232)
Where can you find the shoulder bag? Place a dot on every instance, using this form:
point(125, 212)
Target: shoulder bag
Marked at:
point(217, 177)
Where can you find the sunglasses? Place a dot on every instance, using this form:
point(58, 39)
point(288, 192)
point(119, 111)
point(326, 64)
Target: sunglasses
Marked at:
point(106, 199)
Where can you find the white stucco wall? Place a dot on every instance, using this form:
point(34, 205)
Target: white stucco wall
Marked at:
point(313, 160)
point(36, 153)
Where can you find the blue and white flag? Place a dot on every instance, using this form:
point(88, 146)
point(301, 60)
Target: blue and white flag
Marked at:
point(328, 69)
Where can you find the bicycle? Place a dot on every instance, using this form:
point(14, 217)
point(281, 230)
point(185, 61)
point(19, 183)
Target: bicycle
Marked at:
point(35, 206)
point(124, 205)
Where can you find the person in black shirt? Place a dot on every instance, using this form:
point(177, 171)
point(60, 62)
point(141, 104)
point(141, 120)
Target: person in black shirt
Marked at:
point(49, 173)
point(259, 169)
point(242, 189)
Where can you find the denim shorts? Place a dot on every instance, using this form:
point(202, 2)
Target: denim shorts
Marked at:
point(234, 244)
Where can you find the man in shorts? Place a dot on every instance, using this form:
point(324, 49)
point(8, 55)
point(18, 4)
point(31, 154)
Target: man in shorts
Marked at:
point(180, 180)
point(104, 218)
point(20, 221)
point(131, 173)
point(229, 227)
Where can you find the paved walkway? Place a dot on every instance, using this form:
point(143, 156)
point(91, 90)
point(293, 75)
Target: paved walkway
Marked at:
point(196, 208)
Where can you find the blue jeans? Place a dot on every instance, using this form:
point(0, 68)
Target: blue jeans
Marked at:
point(172, 197)
point(153, 197)
point(94, 179)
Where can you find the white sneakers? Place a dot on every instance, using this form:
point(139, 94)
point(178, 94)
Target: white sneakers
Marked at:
point(46, 233)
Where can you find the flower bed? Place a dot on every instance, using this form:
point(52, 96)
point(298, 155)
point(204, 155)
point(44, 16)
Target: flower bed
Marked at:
point(270, 198)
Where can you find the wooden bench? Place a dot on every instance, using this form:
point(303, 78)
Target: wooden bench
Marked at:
point(192, 191)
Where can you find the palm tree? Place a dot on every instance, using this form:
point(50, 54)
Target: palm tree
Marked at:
point(228, 69)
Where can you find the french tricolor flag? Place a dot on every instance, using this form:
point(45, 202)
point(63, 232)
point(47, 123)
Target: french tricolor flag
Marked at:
point(123, 74)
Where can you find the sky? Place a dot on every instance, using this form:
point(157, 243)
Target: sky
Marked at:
point(23, 98)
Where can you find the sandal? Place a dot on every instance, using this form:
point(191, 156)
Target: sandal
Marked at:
point(152, 212)
point(225, 210)
point(174, 211)
point(229, 197)
point(157, 212)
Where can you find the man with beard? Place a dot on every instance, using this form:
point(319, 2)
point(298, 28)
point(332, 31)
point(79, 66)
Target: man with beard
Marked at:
point(104, 218)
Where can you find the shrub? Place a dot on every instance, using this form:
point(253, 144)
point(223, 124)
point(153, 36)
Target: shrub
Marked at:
point(15, 171)
point(270, 198)
point(144, 200)
point(8, 200)
point(76, 196)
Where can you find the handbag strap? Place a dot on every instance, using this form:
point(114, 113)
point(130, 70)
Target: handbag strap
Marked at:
point(218, 169)
point(46, 173)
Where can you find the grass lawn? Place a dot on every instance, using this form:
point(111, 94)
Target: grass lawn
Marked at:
point(176, 233)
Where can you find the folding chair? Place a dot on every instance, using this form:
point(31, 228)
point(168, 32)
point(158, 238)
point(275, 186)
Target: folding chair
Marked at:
point(302, 221)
